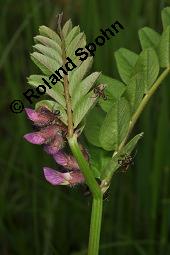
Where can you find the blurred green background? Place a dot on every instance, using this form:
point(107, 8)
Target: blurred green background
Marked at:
point(36, 218)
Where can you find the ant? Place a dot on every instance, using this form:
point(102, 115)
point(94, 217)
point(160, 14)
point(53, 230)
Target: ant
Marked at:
point(126, 162)
point(99, 91)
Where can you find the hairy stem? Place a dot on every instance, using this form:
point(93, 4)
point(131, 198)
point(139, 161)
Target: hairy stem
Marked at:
point(66, 83)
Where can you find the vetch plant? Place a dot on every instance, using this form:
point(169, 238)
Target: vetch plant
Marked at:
point(102, 109)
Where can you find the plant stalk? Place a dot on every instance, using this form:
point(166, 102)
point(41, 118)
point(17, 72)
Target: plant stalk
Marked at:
point(95, 226)
point(96, 215)
point(84, 166)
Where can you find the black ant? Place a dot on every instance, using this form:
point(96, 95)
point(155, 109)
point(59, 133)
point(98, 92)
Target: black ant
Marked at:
point(99, 91)
point(125, 162)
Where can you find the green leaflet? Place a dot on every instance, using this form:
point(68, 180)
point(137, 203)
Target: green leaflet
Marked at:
point(164, 48)
point(148, 65)
point(49, 52)
point(67, 28)
point(93, 124)
point(53, 106)
point(49, 58)
point(115, 125)
point(78, 42)
point(72, 34)
point(165, 14)
point(83, 88)
point(114, 90)
point(82, 107)
point(113, 165)
point(126, 61)
point(128, 148)
point(76, 77)
point(46, 64)
point(56, 92)
point(47, 32)
point(135, 91)
point(149, 38)
point(49, 43)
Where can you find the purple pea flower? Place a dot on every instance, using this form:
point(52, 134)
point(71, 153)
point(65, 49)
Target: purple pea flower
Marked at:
point(55, 145)
point(45, 135)
point(68, 178)
point(68, 161)
point(39, 117)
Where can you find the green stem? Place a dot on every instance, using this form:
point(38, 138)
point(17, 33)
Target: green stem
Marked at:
point(95, 226)
point(84, 166)
point(96, 215)
point(143, 104)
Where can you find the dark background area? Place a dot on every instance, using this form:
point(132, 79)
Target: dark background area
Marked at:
point(36, 218)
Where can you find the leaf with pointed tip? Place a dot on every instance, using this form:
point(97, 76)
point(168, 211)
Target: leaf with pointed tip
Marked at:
point(149, 38)
point(94, 122)
point(115, 125)
point(165, 14)
point(82, 107)
point(53, 106)
point(164, 48)
point(129, 147)
point(126, 61)
point(148, 65)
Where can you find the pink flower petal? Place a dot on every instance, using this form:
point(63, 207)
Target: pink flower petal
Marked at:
point(58, 178)
point(55, 145)
point(77, 177)
point(68, 161)
point(32, 114)
point(55, 177)
point(35, 138)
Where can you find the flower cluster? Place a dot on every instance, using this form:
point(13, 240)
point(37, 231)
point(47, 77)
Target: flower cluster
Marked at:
point(51, 133)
